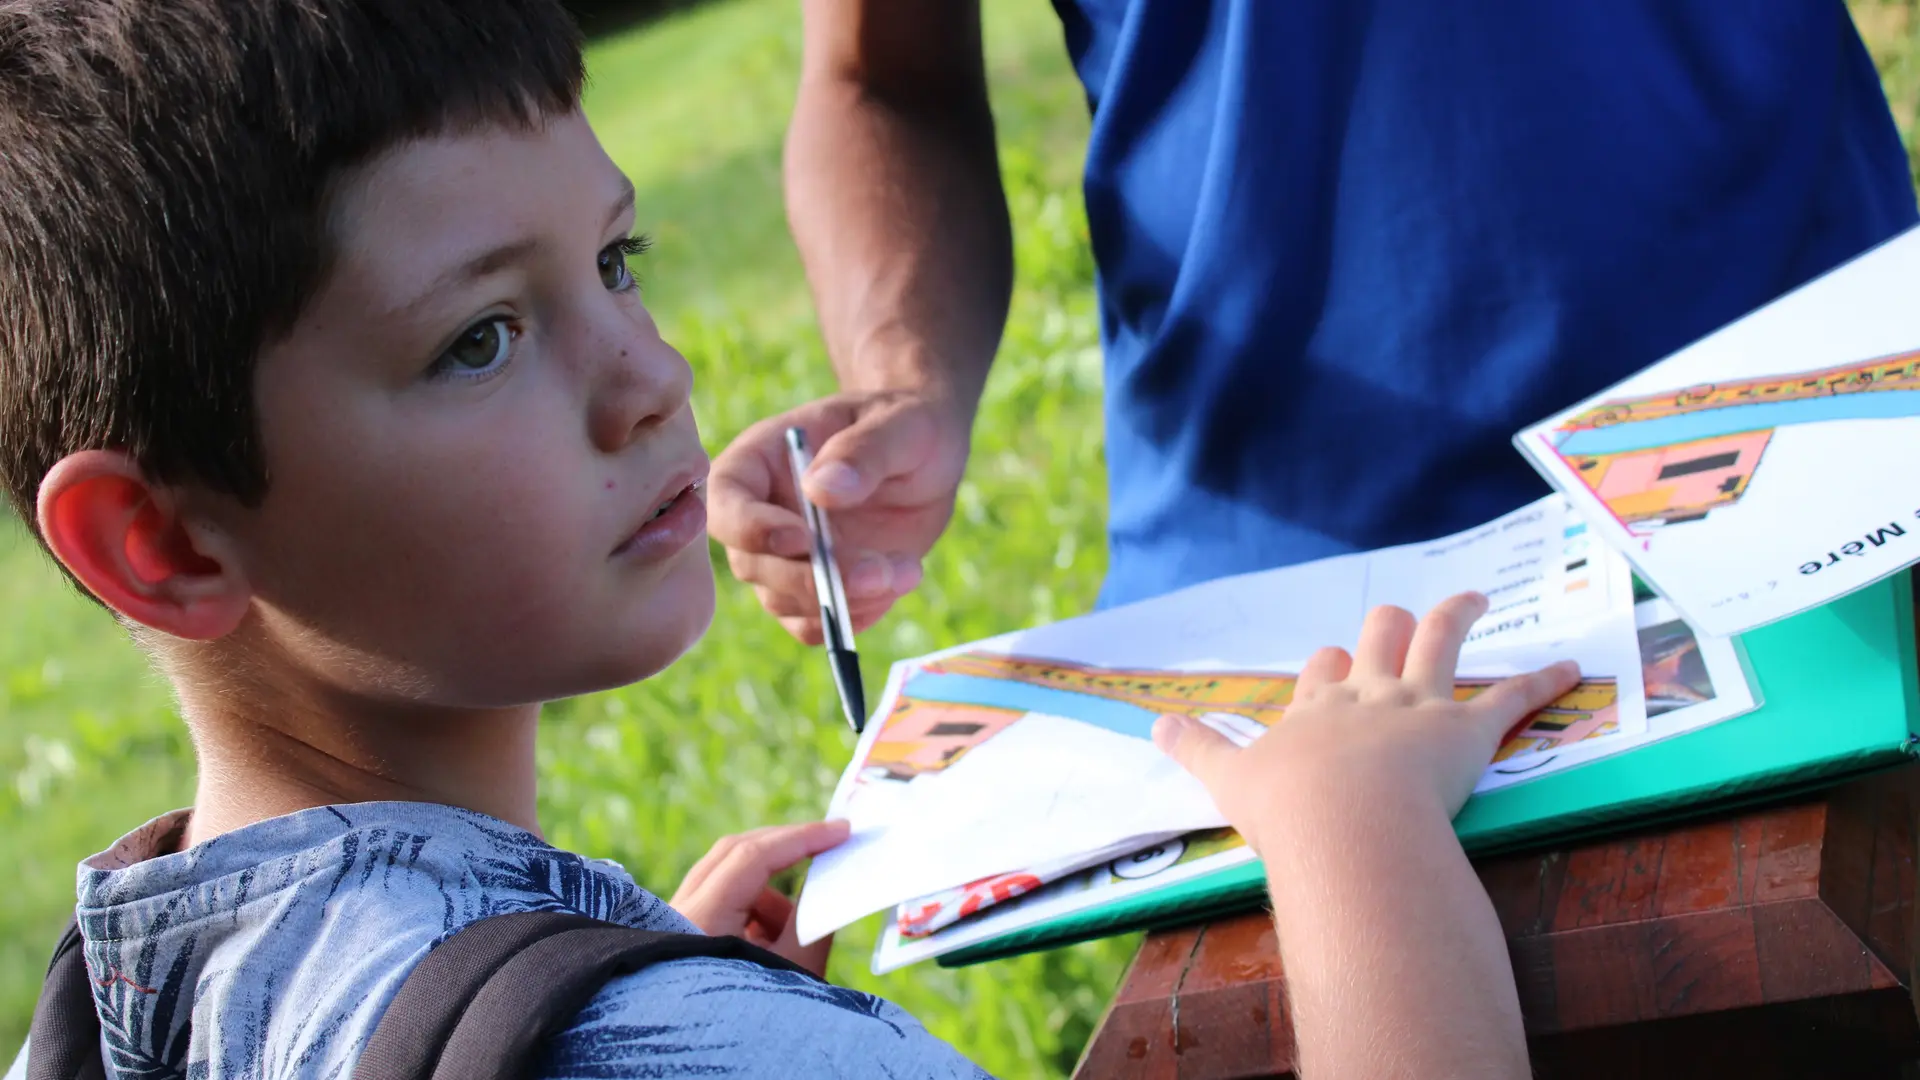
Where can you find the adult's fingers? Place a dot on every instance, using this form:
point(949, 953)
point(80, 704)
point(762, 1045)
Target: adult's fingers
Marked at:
point(893, 442)
point(803, 612)
point(805, 631)
point(1384, 638)
point(1433, 656)
point(1324, 667)
point(750, 527)
point(787, 584)
point(1198, 748)
point(1504, 704)
point(749, 498)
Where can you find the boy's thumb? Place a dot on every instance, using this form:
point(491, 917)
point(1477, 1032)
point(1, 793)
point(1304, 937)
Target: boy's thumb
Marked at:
point(1198, 748)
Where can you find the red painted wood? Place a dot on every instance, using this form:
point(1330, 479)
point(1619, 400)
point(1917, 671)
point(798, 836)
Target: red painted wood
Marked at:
point(1787, 930)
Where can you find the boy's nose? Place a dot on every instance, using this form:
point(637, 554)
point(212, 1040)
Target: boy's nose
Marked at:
point(643, 382)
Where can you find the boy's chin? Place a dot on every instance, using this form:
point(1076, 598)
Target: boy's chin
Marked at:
point(676, 626)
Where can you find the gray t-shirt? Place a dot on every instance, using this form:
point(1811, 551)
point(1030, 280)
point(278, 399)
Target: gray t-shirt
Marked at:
point(284, 941)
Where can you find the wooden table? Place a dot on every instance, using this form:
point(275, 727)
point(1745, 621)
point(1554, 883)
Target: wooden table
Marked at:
point(1771, 943)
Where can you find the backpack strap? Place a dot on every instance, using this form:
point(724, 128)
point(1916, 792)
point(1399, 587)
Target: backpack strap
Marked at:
point(64, 1042)
point(482, 1002)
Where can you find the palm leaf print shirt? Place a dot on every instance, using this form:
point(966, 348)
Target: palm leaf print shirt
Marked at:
point(271, 951)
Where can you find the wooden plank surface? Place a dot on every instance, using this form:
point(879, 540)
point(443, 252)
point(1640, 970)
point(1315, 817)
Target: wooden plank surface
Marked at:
point(1788, 928)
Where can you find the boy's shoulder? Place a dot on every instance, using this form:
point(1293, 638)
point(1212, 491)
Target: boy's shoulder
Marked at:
point(272, 951)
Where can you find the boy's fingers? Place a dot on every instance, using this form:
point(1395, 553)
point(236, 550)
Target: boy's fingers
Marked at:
point(1328, 665)
point(772, 911)
point(738, 880)
point(703, 869)
point(1198, 748)
point(1384, 638)
point(1434, 654)
point(1509, 701)
point(783, 845)
point(739, 866)
point(813, 957)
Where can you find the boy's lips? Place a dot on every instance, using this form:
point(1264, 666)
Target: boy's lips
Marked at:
point(675, 520)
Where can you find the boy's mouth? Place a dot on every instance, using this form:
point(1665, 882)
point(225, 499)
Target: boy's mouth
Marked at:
point(672, 524)
point(690, 491)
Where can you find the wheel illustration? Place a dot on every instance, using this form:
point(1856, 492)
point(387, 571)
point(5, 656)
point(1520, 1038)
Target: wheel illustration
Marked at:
point(1149, 861)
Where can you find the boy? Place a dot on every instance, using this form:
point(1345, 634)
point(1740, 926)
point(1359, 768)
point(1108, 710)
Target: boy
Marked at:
point(323, 368)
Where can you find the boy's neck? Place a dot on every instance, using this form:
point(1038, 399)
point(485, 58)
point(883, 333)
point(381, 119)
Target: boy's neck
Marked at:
point(265, 755)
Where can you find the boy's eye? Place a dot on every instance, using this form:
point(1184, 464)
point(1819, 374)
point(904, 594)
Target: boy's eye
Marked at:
point(479, 349)
point(615, 274)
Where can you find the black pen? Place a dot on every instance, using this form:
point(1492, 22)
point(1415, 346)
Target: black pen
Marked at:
point(836, 626)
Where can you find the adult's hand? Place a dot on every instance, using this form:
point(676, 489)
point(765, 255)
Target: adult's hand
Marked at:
point(886, 468)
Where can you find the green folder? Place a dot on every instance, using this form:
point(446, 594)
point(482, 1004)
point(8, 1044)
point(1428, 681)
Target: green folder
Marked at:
point(1839, 698)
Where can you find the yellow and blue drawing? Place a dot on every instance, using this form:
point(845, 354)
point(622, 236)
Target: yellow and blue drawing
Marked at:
point(1668, 458)
point(952, 705)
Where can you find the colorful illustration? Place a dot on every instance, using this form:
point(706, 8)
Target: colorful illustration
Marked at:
point(1588, 711)
point(1672, 457)
point(941, 910)
point(1033, 749)
point(921, 919)
point(953, 705)
point(1678, 675)
point(929, 915)
point(1674, 670)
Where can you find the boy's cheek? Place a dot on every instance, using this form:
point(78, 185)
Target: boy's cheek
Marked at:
point(610, 636)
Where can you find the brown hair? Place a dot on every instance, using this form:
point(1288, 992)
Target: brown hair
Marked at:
point(164, 170)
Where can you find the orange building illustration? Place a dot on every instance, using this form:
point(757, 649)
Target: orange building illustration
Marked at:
point(927, 736)
point(1674, 484)
point(1669, 458)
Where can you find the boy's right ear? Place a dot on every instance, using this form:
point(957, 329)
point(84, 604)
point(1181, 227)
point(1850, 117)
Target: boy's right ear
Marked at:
point(126, 541)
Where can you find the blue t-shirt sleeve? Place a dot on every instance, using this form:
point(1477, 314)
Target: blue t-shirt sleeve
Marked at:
point(708, 1017)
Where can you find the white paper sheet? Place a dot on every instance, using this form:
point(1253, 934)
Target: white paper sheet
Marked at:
point(1692, 682)
point(970, 774)
point(1768, 468)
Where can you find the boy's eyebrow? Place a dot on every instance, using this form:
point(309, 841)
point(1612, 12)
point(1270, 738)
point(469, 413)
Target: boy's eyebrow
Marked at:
point(622, 204)
point(494, 258)
point(479, 266)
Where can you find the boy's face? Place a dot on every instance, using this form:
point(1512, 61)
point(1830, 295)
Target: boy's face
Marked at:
point(469, 433)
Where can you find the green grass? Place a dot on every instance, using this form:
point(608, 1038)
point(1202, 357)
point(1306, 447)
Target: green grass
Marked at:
point(744, 731)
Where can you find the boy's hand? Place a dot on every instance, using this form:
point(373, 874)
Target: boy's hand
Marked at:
point(1396, 963)
point(1383, 720)
point(728, 892)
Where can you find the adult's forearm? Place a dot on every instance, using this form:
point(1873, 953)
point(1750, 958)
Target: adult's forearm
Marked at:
point(897, 208)
point(1396, 964)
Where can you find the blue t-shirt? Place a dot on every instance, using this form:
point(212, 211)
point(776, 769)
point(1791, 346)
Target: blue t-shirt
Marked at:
point(1347, 248)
